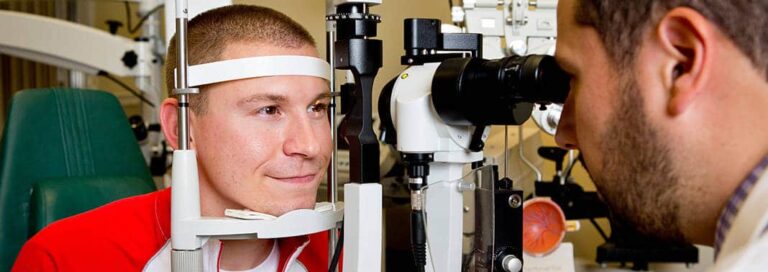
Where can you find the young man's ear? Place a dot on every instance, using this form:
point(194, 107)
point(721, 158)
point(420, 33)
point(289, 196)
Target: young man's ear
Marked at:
point(169, 121)
point(688, 37)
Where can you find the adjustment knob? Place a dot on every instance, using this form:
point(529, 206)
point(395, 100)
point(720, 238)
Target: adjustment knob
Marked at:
point(510, 263)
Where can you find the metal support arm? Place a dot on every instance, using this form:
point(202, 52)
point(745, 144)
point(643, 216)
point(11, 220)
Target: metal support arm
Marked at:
point(77, 47)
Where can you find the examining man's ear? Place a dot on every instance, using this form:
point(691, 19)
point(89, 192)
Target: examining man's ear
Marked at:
point(688, 39)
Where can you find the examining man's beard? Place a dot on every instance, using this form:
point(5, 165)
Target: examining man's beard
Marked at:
point(638, 180)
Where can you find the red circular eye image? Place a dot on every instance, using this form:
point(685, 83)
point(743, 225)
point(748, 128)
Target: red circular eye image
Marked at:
point(543, 226)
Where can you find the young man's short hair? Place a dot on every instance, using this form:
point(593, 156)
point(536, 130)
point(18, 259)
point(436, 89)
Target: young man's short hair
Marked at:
point(210, 32)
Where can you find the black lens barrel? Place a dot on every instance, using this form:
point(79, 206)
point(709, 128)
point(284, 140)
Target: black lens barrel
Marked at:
point(473, 91)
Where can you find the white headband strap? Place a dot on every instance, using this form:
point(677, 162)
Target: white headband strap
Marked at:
point(235, 69)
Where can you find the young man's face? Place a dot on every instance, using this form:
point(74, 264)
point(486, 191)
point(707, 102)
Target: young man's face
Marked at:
point(263, 143)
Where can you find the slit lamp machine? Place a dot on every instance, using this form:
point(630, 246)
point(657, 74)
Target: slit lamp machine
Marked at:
point(436, 113)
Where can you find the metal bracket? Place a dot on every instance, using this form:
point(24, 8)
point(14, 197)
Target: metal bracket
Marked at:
point(186, 91)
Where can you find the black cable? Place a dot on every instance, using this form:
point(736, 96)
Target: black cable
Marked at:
point(337, 250)
point(599, 229)
point(126, 87)
point(132, 29)
point(418, 240)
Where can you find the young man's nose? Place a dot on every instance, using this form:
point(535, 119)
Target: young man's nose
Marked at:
point(566, 132)
point(302, 139)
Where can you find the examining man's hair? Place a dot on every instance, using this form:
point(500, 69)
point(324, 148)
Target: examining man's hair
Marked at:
point(622, 23)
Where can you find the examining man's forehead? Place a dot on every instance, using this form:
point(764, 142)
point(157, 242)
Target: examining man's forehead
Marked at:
point(565, 31)
point(576, 43)
point(564, 55)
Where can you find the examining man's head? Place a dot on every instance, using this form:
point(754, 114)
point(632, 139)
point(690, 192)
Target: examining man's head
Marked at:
point(262, 143)
point(658, 92)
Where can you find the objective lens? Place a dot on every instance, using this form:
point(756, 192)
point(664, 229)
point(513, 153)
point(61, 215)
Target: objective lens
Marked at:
point(473, 91)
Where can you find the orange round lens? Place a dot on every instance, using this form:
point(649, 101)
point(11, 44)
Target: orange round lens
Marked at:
point(543, 226)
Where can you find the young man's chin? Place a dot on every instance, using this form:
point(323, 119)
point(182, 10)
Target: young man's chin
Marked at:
point(289, 205)
point(280, 197)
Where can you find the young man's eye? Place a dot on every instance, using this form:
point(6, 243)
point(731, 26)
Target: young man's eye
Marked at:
point(269, 110)
point(318, 108)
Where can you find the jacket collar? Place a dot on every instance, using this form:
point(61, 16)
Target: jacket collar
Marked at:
point(750, 220)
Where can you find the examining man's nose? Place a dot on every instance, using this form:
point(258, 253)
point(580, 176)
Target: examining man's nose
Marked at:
point(566, 133)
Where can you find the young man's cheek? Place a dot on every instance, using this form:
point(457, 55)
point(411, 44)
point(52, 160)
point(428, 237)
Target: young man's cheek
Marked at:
point(322, 130)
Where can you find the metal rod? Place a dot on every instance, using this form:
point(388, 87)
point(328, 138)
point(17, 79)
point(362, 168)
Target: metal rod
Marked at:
point(333, 180)
point(332, 184)
point(182, 83)
point(522, 155)
point(571, 158)
point(333, 175)
point(571, 164)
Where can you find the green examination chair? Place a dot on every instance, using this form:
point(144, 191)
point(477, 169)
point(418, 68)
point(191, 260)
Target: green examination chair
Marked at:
point(64, 151)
